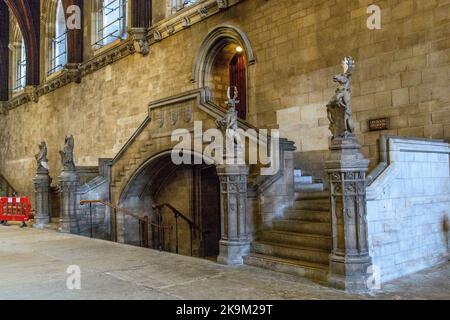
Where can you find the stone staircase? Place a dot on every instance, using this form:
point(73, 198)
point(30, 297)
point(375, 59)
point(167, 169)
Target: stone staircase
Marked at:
point(299, 243)
point(131, 160)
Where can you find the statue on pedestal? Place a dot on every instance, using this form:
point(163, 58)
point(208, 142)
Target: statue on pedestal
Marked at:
point(338, 109)
point(67, 154)
point(41, 158)
point(229, 124)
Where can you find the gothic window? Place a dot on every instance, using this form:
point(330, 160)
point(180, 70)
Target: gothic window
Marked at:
point(19, 65)
point(58, 44)
point(110, 21)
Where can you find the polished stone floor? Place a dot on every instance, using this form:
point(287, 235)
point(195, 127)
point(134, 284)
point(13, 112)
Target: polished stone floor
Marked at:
point(33, 265)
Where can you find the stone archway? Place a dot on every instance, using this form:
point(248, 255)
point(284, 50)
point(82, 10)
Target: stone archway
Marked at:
point(224, 59)
point(192, 189)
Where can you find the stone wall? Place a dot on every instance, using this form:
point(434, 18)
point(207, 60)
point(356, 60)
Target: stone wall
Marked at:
point(407, 205)
point(403, 72)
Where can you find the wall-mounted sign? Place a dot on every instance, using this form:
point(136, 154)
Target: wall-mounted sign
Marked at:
point(379, 124)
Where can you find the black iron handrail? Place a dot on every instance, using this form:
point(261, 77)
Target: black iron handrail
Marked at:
point(143, 221)
point(178, 214)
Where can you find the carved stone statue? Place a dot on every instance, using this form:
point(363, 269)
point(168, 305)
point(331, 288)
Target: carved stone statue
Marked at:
point(67, 155)
point(41, 158)
point(229, 121)
point(339, 109)
point(229, 125)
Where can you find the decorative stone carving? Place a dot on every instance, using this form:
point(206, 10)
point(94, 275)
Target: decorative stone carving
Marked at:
point(222, 4)
point(346, 169)
point(229, 126)
point(42, 183)
point(170, 29)
point(174, 117)
point(339, 109)
point(188, 115)
point(41, 158)
point(203, 12)
point(185, 22)
point(230, 119)
point(157, 36)
point(160, 119)
point(68, 181)
point(139, 36)
point(67, 161)
point(234, 242)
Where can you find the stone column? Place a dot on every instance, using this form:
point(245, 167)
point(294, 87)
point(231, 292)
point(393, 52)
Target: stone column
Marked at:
point(68, 181)
point(350, 259)
point(42, 183)
point(234, 243)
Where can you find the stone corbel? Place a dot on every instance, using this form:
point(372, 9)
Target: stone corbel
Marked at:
point(222, 4)
point(140, 41)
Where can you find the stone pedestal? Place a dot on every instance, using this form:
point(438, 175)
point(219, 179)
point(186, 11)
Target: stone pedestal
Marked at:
point(42, 183)
point(68, 181)
point(350, 259)
point(234, 243)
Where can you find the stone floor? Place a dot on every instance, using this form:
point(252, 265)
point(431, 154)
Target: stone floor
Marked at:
point(33, 265)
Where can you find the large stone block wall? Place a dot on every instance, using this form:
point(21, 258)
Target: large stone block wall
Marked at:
point(403, 72)
point(406, 208)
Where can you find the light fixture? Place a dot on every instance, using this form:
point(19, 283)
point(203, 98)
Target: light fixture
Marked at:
point(239, 49)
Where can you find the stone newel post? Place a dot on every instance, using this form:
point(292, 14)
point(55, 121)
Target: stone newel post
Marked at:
point(68, 181)
point(350, 259)
point(234, 243)
point(42, 183)
point(346, 168)
point(233, 173)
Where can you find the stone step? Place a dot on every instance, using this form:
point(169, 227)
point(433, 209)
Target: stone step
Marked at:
point(290, 225)
point(308, 187)
point(303, 179)
point(312, 195)
point(297, 239)
point(291, 252)
point(294, 267)
point(322, 204)
point(307, 215)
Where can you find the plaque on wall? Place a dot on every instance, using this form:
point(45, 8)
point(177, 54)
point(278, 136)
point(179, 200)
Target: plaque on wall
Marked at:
point(379, 124)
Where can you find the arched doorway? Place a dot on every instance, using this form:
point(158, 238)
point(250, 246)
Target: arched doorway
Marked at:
point(175, 197)
point(228, 69)
point(223, 60)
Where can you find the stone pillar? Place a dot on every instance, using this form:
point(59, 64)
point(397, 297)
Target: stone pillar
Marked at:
point(234, 243)
point(42, 183)
point(68, 181)
point(350, 259)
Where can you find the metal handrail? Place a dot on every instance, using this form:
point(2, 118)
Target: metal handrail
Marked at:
point(143, 221)
point(178, 214)
point(8, 188)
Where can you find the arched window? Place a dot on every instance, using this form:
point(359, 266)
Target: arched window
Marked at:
point(58, 44)
point(19, 65)
point(110, 21)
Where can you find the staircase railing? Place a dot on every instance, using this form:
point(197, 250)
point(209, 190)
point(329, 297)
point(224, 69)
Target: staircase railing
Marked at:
point(177, 214)
point(6, 188)
point(144, 221)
